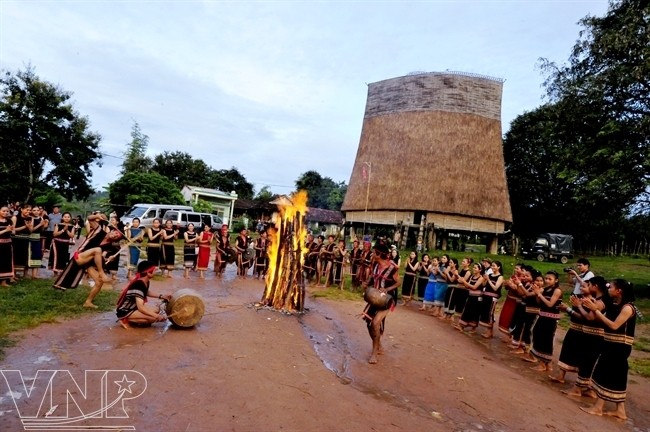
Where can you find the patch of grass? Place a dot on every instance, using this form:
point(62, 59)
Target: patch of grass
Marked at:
point(642, 343)
point(640, 366)
point(32, 302)
point(337, 294)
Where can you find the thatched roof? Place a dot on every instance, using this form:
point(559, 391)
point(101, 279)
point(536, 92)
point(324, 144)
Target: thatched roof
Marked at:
point(433, 144)
point(324, 216)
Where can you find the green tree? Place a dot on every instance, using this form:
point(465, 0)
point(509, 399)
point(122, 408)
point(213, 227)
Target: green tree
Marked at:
point(45, 143)
point(135, 157)
point(309, 181)
point(135, 187)
point(182, 169)
point(202, 206)
point(323, 192)
point(231, 180)
point(336, 196)
point(604, 97)
point(264, 194)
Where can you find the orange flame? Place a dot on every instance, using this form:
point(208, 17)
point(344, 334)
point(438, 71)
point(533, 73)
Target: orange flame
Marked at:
point(288, 212)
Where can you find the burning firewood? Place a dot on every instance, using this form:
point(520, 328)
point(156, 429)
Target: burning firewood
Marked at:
point(285, 282)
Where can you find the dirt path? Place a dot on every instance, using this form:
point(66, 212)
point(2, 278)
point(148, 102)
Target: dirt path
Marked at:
point(245, 369)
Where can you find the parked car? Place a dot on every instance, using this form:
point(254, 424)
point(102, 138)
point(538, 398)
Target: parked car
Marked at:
point(213, 220)
point(148, 212)
point(182, 218)
point(550, 246)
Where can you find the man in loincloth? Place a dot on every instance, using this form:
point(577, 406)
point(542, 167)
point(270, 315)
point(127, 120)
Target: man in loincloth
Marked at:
point(132, 307)
point(384, 278)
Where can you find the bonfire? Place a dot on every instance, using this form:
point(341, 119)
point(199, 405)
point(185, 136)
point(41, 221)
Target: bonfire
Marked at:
point(285, 283)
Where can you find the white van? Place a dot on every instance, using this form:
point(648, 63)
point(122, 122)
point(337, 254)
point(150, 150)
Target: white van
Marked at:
point(182, 218)
point(148, 212)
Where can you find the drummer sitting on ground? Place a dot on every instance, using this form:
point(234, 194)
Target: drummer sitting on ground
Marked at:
point(131, 307)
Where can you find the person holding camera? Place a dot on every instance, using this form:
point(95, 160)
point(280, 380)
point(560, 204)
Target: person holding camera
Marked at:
point(579, 275)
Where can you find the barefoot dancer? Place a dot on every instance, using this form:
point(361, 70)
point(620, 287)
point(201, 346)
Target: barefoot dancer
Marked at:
point(592, 335)
point(385, 278)
point(610, 374)
point(131, 307)
point(543, 331)
point(90, 258)
point(491, 295)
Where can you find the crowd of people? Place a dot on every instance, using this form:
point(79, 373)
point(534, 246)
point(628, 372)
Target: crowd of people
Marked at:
point(31, 239)
point(465, 294)
point(602, 315)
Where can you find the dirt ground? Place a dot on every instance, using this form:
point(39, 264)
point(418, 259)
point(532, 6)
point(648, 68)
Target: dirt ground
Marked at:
point(244, 369)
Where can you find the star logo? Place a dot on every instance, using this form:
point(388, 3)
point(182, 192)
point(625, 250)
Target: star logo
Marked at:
point(125, 384)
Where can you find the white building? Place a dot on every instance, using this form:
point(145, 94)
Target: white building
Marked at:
point(222, 203)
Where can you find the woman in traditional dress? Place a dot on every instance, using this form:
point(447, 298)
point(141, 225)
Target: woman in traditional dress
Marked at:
point(154, 241)
point(168, 256)
point(204, 242)
point(472, 309)
point(410, 274)
point(543, 331)
point(423, 276)
point(451, 277)
point(6, 250)
point(610, 374)
point(261, 256)
point(39, 224)
point(134, 234)
point(241, 244)
point(355, 263)
point(189, 249)
point(522, 285)
point(432, 279)
point(113, 266)
point(590, 346)
point(573, 342)
point(512, 298)
point(22, 229)
point(441, 287)
point(224, 251)
point(491, 295)
point(62, 237)
point(459, 296)
point(532, 311)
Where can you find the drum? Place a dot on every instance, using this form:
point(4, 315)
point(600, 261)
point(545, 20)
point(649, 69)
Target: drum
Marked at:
point(185, 308)
point(378, 299)
point(248, 255)
point(430, 293)
point(231, 255)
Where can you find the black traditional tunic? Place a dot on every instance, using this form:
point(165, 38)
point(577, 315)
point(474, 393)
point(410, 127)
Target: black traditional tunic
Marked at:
point(410, 274)
point(168, 256)
point(609, 379)
point(6, 251)
point(543, 331)
point(60, 247)
point(153, 247)
point(489, 302)
point(472, 309)
point(189, 251)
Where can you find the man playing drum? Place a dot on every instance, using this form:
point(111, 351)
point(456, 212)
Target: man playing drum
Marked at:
point(131, 307)
point(383, 279)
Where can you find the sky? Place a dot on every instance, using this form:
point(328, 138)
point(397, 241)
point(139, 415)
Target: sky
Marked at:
point(273, 88)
